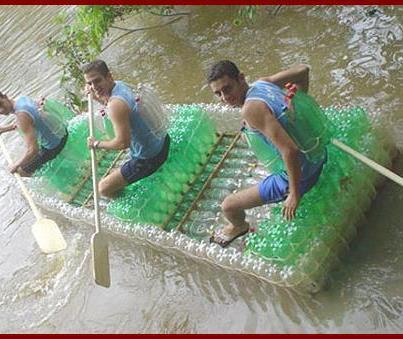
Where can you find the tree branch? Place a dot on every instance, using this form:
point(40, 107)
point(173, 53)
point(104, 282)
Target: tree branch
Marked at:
point(139, 29)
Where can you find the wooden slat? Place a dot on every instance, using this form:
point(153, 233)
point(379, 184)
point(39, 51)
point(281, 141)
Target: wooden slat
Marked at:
point(82, 182)
point(207, 183)
point(105, 174)
point(213, 148)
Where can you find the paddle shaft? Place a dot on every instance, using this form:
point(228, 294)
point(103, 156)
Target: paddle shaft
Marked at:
point(94, 166)
point(99, 243)
point(24, 190)
point(375, 166)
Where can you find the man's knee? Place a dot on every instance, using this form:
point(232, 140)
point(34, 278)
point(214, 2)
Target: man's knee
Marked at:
point(229, 204)
point(110, 186)
point(104, 188)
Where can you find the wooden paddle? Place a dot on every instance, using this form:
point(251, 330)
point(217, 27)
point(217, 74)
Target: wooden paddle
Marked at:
point(46, 232)
point(375, 166)
point(99, 244)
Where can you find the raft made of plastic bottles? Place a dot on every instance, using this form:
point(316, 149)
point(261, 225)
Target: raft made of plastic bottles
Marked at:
point(179, 205)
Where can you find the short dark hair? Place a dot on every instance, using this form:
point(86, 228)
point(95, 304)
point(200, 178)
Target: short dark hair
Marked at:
point(221, 69)
point(96, 65)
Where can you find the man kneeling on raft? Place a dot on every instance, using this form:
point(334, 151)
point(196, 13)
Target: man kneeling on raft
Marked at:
point(148, 150)
point(44, 134)
point(262, 106)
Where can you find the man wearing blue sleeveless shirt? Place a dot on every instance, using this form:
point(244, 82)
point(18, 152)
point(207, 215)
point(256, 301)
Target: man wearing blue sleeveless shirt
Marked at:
point(262, 104)
point(44, 135)
point(148, 151)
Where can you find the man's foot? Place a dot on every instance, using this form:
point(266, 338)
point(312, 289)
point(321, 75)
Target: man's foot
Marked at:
point(223, 239)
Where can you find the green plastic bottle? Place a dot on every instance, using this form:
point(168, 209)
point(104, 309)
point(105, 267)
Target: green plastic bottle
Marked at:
point(308, 126)
point(263, 151)
point(58, 109)
point(108, 127)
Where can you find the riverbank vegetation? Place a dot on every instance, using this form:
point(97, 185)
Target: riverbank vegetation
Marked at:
point(82, 36)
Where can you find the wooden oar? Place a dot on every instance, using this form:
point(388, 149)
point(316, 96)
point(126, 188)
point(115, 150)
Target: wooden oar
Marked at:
point(46, 232)
point(99, 244)
point(375, 166)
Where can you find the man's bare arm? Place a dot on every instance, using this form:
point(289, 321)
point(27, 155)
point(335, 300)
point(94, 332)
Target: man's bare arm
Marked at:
point(260, 117)
point(8, 128)
point(298, 74)
point(119, 114)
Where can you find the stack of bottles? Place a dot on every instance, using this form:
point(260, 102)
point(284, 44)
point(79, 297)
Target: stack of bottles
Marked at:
point(306, 124)
point(84, 194)
point(267, 155)
point(153, 199)
point(57, 108)
point(204, 214)
point(302, 250)
point(62, 175)
point(328, 215)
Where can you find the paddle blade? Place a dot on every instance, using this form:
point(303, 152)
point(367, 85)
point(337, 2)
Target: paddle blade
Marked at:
point(48, 236)
point(100, 259)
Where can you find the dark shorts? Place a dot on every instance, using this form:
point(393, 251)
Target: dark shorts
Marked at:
point(43, 156)
point(274, 188)
point(136, 169)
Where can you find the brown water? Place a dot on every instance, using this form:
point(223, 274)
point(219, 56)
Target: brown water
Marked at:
point(356, 55)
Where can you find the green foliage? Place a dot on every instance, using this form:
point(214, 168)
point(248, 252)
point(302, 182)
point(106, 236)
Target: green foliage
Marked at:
point(249, 14)
point(246, 14)
point(80, 41)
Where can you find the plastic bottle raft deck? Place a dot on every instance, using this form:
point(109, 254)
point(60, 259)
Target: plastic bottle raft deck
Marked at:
point(179, 205)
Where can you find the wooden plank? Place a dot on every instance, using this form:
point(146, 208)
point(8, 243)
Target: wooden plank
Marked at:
point(207, 183)
point(82, 182)
point(216, 144)
point(105, 174)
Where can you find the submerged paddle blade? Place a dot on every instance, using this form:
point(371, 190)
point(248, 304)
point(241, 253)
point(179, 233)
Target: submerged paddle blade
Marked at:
point(48, 236)
point(100, 259)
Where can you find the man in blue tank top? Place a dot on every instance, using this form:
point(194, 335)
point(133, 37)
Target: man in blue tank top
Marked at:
point(148, 151)
point(262, 105)
point(44, 136)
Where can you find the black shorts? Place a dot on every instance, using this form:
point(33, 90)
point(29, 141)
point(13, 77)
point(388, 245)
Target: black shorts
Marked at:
point(43, 156)
point(136, 169)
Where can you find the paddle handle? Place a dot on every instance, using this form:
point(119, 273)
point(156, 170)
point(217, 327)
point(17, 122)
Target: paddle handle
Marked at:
point(24, 190)
point(94, 165)
point(380, 169)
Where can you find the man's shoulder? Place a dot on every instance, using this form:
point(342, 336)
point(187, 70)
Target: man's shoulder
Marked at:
point(118, 105)
point(25, 105)
point(266, 82)
point(124, 86)
point(120, 83)
point(123, 90)
point(24, 100)
point(254, 106)
point(261, 86)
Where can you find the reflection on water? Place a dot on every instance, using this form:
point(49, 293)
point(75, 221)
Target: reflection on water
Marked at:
point(356, 57)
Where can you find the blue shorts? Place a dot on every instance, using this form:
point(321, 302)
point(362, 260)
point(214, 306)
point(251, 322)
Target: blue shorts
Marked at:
point(274, 188)
point(136, 169)
point(44, 155)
